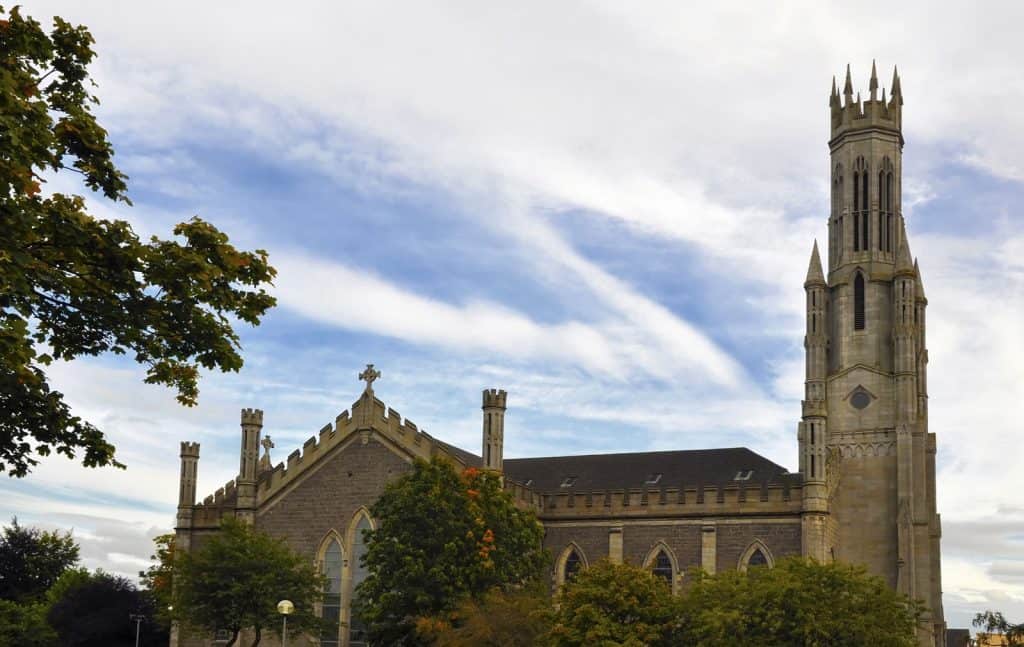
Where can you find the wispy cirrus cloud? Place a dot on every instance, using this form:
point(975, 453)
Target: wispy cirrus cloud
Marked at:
point(605, 209)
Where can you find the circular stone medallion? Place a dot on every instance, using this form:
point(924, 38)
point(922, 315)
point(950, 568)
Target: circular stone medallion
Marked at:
point(860, 400)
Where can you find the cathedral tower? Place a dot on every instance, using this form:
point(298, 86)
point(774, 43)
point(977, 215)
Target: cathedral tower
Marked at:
point(867, 457)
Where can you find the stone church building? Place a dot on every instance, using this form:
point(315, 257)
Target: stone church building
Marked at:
point(864, 492)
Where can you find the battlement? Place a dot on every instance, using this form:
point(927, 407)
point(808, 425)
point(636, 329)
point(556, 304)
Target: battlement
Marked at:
point(734, 498)
point(223, 495)
point(252, 417)
point(368, 416)
point(494, 399)
point(878, 113)
point(189, 450)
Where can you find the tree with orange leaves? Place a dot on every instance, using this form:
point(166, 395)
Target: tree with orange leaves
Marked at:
point(443, 537)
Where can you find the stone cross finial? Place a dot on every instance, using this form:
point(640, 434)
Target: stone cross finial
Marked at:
point(265, 459)
point(368, 376)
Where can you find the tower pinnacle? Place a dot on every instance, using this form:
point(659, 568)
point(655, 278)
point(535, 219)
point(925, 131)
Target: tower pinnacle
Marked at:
point(904, 261)
point(873, 84)
point(918, 285)
point(815, 275)
point(897, 91)
point(848, 88)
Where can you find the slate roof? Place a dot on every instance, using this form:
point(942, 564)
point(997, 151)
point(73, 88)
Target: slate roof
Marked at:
point(706, 467)
point(470, 459)
point(958, 637)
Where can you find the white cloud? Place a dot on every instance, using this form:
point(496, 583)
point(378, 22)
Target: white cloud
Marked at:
point(330, 292)
point(684, 123)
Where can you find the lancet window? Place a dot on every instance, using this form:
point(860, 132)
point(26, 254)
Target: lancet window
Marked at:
point(573, 563)
point(861, 229)
point(357, 628)
point(662, 567)
point(331, 608)
point(858, 302)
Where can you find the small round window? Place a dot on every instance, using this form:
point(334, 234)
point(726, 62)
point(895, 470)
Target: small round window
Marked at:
point(860, 400)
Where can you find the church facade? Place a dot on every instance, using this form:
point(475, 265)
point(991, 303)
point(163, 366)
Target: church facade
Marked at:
point(864, 492)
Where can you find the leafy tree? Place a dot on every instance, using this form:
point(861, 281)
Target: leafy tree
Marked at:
point(31, 560)
point(72, 284)
point(442, 537)
point(235, 580)
point(519, 617)
point(993, 622)
point(615, 604)
point(94, 610)
point(798, 602)
point(25, 625)
point(158, 579)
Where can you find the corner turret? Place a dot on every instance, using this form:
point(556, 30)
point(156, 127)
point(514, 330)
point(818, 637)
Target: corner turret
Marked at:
point(187, 483)
point(812, 432)
point(252, 425)
point(494, 401)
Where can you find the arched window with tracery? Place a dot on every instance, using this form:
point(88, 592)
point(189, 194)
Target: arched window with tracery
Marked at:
point(756, 554)
point(861, 212)
point(881, 211)
point(836, 233)
point(357, 628)
point(572, 566)
point(858, 302)
point(331, 608)
point(662, 567)
point(570, 561)
point(856, 212)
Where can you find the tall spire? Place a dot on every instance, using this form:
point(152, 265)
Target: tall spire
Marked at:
point(815, 276)
point(897, 92)
point(848, 87)
point(919, 286)
point(873, 84)
point(904, 262)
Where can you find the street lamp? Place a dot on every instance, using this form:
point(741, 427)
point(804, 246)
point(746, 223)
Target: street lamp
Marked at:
point(285, 607)
point(137, 618)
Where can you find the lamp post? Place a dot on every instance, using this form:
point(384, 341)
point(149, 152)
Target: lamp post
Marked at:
point(137, 618)
point(285, 607)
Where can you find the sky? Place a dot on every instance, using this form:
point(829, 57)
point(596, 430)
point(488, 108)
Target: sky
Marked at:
point(604, 208)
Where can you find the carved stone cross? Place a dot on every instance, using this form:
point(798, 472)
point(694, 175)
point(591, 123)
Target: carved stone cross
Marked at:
point(265, 459)
point(368, 376)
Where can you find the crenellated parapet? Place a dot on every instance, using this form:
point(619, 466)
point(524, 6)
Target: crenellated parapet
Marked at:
point(252, 417)
point(494, 399)
point(874, 112)
point(734, 499)
point(368, 418)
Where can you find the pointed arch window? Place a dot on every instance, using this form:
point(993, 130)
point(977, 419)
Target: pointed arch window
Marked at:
point(357, 628)
point(865, 240)
point(662, 567)
point(331, 608)
point(858, 302)
point(881, 211)
point(573, 563)
point(888, 212)
point(856, 212)
point(756, 554)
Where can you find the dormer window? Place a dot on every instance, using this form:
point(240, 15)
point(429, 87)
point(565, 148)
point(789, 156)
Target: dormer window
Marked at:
point(528, 483)
point(568, 481)
point(743, 475)
point(653, 479)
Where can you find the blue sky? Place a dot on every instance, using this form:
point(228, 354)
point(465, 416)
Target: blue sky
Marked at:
point(607, 213)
